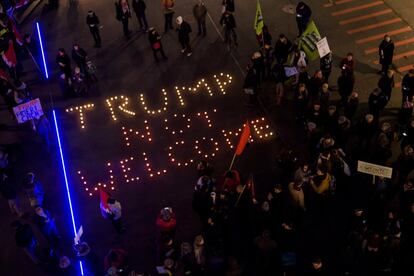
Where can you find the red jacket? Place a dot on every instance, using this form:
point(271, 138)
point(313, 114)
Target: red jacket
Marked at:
point(166, 226)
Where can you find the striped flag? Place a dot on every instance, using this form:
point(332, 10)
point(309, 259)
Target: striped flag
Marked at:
point(258, 21)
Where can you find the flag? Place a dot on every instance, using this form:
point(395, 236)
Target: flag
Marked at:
point(104, 198)
point(9, 56)
point(244, 139)
point(258, 21)
point(308, 41)
point(17, 35)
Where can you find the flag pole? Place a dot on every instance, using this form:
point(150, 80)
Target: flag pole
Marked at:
point(240, 195)
point(232, 161)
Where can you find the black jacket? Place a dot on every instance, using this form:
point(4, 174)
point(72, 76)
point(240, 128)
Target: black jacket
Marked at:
point(139, 7)
point(386, 84)
point(386, 52)
point(303, 12)
point(228, 21)
point(24, 236)
point(184, 31)
point(79, 56)
point(92, 21)
point(407, 86)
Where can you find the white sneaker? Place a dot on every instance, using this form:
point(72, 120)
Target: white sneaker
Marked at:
point(189, 54)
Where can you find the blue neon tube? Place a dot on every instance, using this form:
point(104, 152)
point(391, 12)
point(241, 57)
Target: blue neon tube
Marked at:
point(42, 50)
point(62, 159)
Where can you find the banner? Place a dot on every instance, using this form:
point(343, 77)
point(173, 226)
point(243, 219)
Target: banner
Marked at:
point(308, 41)
point(323, 47)
point(258, 21)
point(28, 111)
point(374, 169)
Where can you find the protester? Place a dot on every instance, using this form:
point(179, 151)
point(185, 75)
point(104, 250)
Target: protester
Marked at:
point(113, 212)
point(168, 9)
point(156, 44)
point(63, 61)
point(347, 64)
point(303, 15)
point(282, 49)
point(386, 53)
point(200, 12)
point(47, 226)
point(139, 7)
point(33, 190)
point(184, 30)
point(79, 56)
point(123, 14)
point(229, 23)
point(26, 240)
point(93, 23)
point(407, 86)
point(326, 66)
point(386, 84)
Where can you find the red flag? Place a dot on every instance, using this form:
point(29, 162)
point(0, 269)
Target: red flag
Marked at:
point(244, 139)
point(17, 35)
point(9, 56)
point(4, 75)
point(104, 198)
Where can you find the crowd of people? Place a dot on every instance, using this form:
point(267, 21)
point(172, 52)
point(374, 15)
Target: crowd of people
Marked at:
point(321, 217)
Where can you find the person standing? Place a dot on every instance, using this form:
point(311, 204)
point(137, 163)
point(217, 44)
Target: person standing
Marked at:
point(303, 14)
point(407, 87)
point(63, 61)
point(168, 8)
point(79, 55)
point(348, 64)
point(200, 12)
point(386, 84)
point(115, 214)
point(26, 240)
point(184, 30)
point(386, 53)
point(47, 226)
point(33, 190)
point(155, 42)
point(139, 9)
point(93, 23)
point(326, 66)
point(283, 47)
point(8, 192)
point(123, 13)
point(229, 23)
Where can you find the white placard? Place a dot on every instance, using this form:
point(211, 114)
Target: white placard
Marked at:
point(374, 169)
point(28, 111)
point(323, 47)
point(78, 235)
point(290, 71)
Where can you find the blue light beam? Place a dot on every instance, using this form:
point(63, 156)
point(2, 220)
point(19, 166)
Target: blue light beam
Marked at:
point(62, 159)
point(41, 48)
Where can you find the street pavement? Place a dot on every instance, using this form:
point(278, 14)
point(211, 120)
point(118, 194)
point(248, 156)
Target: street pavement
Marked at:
point(127, 68)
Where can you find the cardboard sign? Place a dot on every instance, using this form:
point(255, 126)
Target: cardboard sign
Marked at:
point(374, 169)
point(323, 47)
point(78, 235)
point(28, 111)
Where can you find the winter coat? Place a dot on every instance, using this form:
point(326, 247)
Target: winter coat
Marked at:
point(200, 12)
point(407, 87)
point(92, 21)
point(304, 13)
point(386, 52)
point(184, 31)
point(386, 84)
point(139, 7)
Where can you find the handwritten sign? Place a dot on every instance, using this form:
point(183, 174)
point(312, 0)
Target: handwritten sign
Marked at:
point(374, 169)
point(28, 111)
point(323, 47)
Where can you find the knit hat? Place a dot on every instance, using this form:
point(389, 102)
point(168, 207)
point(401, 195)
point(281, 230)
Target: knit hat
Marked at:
point(179, 20)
